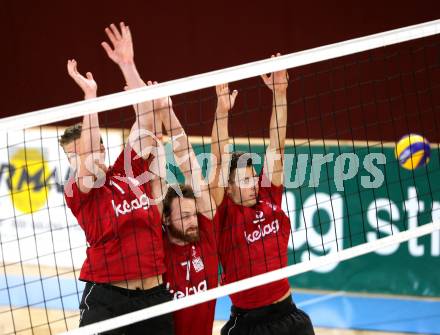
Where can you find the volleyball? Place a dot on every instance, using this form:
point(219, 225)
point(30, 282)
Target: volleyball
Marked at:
point(413, 151)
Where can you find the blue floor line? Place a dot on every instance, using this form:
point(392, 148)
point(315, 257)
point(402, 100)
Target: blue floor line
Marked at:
point(334, 310)
point(373, 313)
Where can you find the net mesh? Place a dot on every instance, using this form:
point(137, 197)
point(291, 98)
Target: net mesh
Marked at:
point(344, 188)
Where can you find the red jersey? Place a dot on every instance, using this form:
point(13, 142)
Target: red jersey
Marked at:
point(252, 241)
point(193, 268)
point(123, 231)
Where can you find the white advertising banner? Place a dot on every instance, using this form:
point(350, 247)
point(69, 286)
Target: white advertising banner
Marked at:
point(36, 227)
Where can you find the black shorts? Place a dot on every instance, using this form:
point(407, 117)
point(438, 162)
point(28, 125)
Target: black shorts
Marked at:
point(281, 318)
point(102, 301)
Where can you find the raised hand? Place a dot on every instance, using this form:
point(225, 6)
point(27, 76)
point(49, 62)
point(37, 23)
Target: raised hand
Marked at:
point(160, 103)
point(87, 83)
point(225, 99)
point(122, 51)
point(277, 81)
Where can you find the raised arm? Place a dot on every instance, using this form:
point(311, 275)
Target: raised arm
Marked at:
point(89, 148)
point(122, 53)
point(273, 163)
point(158, 181)
point(185, 157)
point(220, 140)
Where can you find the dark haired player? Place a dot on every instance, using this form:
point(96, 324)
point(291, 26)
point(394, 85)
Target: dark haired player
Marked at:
point(254, 230)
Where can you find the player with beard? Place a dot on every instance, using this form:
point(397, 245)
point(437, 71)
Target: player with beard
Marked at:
point(254, 230)
point(189, 239)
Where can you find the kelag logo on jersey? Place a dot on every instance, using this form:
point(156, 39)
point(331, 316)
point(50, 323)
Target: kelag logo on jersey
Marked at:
point(127, 207)
point(262, 230)
point(259, 217)
point(189, 290)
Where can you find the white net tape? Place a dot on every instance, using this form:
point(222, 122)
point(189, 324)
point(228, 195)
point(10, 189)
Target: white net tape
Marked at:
point(228, 75)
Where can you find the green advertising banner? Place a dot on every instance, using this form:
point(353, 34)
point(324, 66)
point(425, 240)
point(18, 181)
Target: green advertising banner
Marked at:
point(360, 194)
point(338, 196)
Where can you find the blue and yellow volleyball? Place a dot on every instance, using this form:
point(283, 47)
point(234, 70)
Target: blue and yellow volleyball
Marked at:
point(413, 151)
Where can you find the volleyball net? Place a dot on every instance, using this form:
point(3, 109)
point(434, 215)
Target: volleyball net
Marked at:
point(345, 192)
